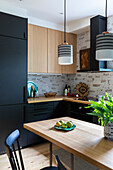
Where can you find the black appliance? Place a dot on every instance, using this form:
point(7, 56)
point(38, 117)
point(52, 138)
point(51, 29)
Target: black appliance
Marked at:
point(13, 74)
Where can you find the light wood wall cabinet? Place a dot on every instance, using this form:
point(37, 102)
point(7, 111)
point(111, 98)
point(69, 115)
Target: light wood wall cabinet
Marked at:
point(55, 38)
point(43, 50)
point(37, 49)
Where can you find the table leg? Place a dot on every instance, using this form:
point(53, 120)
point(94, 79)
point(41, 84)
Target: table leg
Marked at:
point(50, 154)
point(72, 161)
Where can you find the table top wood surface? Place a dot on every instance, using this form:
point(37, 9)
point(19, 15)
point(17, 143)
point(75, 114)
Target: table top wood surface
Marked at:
point(86, 140)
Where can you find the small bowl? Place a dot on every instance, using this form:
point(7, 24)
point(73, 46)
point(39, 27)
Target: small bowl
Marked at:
point(50, 94)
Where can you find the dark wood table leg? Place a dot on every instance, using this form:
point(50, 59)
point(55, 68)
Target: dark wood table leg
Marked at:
point(50, 154)
point(72, 161)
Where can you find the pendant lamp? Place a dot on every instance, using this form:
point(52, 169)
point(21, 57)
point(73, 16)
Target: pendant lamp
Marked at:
point(65, 51)
point(104, 44)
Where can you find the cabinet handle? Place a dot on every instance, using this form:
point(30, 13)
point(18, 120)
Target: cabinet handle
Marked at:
point(24, 94)
point(40, 109)
point(24, 113)
point(39, 114)
point(24, 35)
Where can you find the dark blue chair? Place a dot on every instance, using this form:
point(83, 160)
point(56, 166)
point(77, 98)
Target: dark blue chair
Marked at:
point(16, 164)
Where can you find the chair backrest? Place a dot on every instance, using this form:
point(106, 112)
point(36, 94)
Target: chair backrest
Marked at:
point(10, 143)
point(60, 165)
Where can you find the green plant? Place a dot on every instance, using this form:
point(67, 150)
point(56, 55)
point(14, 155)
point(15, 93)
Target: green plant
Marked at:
point(103, 109)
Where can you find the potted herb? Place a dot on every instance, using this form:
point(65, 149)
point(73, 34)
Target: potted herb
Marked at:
point(104, 110)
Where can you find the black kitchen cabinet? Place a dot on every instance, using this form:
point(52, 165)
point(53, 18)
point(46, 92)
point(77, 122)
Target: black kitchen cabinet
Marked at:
point(61, 108)
point(78, 111)
point(13, 26)
point(13, 76)
point(12, 70)
point(43, 111)
point(97, 26)
point(11, 118)
point(37, 112)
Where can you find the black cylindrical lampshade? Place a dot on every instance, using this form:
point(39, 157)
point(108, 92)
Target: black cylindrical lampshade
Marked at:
point(65, 54)
point(104, 47)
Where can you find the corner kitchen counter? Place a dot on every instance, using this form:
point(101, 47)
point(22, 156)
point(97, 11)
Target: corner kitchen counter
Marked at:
point(57, 98)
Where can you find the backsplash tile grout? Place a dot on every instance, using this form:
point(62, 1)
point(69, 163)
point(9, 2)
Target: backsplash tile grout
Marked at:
point(47, 83)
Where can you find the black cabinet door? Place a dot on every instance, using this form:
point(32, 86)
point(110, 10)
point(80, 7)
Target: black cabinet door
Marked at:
point(78, 111)
point(13, 26)
point(61, 109)
point(11, 118)
point(13, 57)
point(37, 112)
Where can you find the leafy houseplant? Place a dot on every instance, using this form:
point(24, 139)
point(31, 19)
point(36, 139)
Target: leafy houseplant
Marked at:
point(104, 111)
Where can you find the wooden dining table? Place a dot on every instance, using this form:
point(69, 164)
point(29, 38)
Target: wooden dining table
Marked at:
point(85, 141)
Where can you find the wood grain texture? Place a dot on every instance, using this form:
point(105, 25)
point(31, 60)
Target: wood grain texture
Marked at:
point(55, 38)
point(86, 141)
point(43, 50)
point(71, 69)
point(57, 98)
point(34, 157)
point(37, 49)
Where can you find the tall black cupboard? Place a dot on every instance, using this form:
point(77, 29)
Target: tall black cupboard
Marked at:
point(13, 75)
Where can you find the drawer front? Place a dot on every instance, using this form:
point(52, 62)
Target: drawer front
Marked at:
point(37, 117)
point(83, 117)
point(36, 112)
point(39, 107)
point(80, 108)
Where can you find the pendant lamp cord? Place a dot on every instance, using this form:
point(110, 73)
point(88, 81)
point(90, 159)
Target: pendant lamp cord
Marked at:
point(106, 14)
point(64, 21)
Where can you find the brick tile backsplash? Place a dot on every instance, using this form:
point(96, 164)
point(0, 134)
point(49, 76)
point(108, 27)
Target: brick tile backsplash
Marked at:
point(49, 83)
point(98, 83)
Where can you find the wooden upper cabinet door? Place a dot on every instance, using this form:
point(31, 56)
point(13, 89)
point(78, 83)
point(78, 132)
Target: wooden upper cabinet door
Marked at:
point(37, 49)
point(55, 38)
point(71, 69)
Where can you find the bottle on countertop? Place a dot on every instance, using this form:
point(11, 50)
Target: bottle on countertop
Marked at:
point(65, 90)
point(31, 92)
point(69, 89)
point(34, 92)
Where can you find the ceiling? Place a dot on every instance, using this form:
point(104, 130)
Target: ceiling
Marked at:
point(50, 10)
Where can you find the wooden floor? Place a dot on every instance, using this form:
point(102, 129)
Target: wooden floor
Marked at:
point(35, 157)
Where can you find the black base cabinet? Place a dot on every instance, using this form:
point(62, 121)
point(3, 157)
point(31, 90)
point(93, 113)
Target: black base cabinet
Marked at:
point(37, 112)
point(11, 118)
point(43, 111)
point(78, 111)
point(61, 109)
